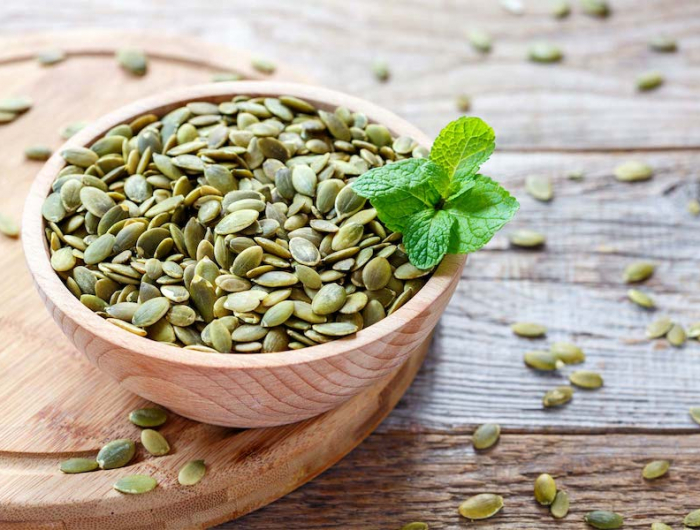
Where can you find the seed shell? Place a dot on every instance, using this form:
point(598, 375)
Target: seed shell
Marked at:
point(135, 484)
point(8, 226)
point(481, 506)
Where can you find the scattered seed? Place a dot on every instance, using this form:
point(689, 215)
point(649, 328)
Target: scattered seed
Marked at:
point(8, 226)
point(486, 436)
point(37, 152)
point(542, 360)
point(692, 520)
point(380, 69)
point(603, 520)
point(135, 484)
point(676, 335)
point(545, 52)
point(545, 489)
point(586, 379)
point(649, 80)
point(264, 66)
point(133, 61)
point(693, 207)
point(663, 44)
point(560, 507)
point(638, 271)
point(656, 469)
point(539, 187)
point(192, 472)
point(415, 526)
point(526, 238)
point(50, 57)
point(480, 40)
point(641, 298)
point(695, 414)
point(660, 526)
point(220, 77)
point(481, 506)
point(561, 9)
point(575, 174)
point(568, 353)
point(154, 442)
point(529, 329)
point(116, 453)
point(16, 105)
point(558, 396)
point(595, 8)
point(633, 171)
point(658, 328)
point(463, 103)
point(78, 465)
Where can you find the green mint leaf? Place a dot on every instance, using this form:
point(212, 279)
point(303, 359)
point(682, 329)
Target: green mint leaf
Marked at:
point(479, 213)
point(427, 237)
point(400, 189)
point(461, 148)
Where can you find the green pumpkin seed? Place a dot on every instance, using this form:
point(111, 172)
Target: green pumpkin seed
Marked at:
point(539, 187)
point(545, 489)
point(558, 396)
point(192, 472)
point(695, 414)
point(542, 360)
point(116, 453)
point(561, 9)
point(676, 335)
point(656, 469)
point(481, 506)
point(415, 526)
point(50, 57)
point(560, 507)
point(649, 80)
point(78, 465)
point(567, 353)
point(278, 314)
point(151, 312)
point(304, 251)
point(486, 436)
point(603, 520)
point(329, 299)
point(660, 526)
point(526, 238)
point(380, 69)
point(8, 226)
point(38, 152)
point(154, 442)
point(68, 131)
point(148, 417)
point(663, 44)
point(545, 52)
point(641, 298)
point(376, 274)
point(100, 249)
point(595, 8)
point(586, 379)
point(80, 156)
point(480, 40)
point(135, 484)
point(133, 61)
point(658, 328)
point(63, 260)
point(633, 171)
point(336, 329)
point(529, 329)
point(638, 271)
point(692, 520)
point(264, 66)
point(16, 104)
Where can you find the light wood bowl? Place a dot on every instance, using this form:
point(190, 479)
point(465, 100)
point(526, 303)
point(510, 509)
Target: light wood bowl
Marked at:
point(237, 390)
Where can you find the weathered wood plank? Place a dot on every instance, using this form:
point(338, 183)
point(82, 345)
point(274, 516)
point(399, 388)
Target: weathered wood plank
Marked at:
point(587, 102)
point(392, 479)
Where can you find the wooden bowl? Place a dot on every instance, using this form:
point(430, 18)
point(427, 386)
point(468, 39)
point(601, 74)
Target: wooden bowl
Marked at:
point(237, 390)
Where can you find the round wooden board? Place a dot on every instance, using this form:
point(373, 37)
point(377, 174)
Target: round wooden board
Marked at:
point(56, 405)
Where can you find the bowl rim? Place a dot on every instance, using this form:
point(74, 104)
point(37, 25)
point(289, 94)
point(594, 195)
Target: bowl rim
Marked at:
point(55, 291)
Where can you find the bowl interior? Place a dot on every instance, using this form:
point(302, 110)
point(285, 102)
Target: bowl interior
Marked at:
point(50, 285)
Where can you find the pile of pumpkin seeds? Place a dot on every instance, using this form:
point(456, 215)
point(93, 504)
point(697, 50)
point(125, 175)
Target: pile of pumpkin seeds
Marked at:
point(119, 453)
point(231, 226)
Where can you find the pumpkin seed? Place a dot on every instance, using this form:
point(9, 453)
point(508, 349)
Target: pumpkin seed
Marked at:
point(545, 489)
point(558, 396)
point(336, 329)
point(586, 379)
point(380, 69)
point(649, 80)
point(50, 57)
point(676, 335)
point(278, 314)
point(633, 171)
point(641, 298)
point(656, 469)
point(116, 453)
point(16, 104)
point(526, 238)
point(638, 271)
point(151, 312)
point(539, 187)
point(148, 417)
point(8, 226)
point(329, 299)
point(561, 9)
point(376, 274)
point(38, 152)
point(692, 520)
point(132, 60)
point(154, 442)
point(542, 360)
point(603, 520)
point(135, 484)
point(660, 526)
point(100, 249)
point(567, 353)
point(480, 40)
point(417, 525)
point(658, 328)
point(693, 207)
point(560, 506)
point(63, 260)
point(529, 329)
point(545, 52)
point(486, 436)
point(78, 465)
point(663, 44)
point(192, 472)
point(695, 414)
point(68, 131)
point(595, 8)
point(481, 506)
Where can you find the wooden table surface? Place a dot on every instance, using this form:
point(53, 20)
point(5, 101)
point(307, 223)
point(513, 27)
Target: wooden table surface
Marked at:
point(549, 119)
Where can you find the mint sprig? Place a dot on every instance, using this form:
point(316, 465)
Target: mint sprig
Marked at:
point(441, 204)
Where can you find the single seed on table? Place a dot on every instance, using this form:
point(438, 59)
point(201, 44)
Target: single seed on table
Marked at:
point(37, 152)
point(658, 328)
point(486, 436)
point(16, 104)
point(676, 336)
point(545, 489)
point(380, 69)
point(8, 226)
point(529, 329)
point(560, 507)
point(656, 469)
point(79, 465)
point(539, 187)
point(595, 8)
point(692, 520)
point(417, 525)
point(693, 207)
point(558, 396)
point(638, 271)
point(575, 174)
point(663, 44)
point(192, 472)
point(264, 66)
point(544, 52)
point(561, 9)
point(695, 414)
point(481, 506)
point(480, 40)
point(116, 453)
point(586, 379)
point(542, 360)
point(604, 520)
point(50, 57)
point(526, 238)
point(154, 442)
point(148, 417)
point(649, 80)
point(567, 353)
point(633, 171)
point(641, 298)
point(463, 103)
point(135, 484)
point(132, 60)
point(660, 526)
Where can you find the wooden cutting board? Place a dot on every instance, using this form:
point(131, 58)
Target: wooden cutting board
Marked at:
point(55, 405)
